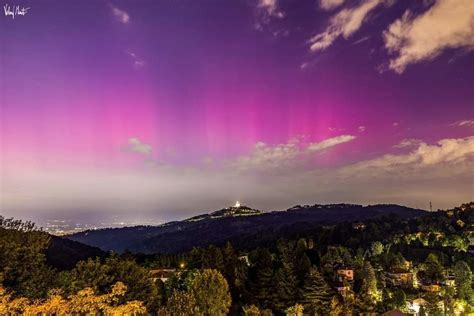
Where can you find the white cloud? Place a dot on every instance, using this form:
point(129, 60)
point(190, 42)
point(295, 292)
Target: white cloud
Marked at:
point(269, 157)
point(330, 142)
point(344, 23)
point(282, 156)
point(304, 65)
point(135, 145)
point(120, 15)
point(330, 4)
point(395, 124)
point(464, 123)
point(266, 12)
point(408, 142)
point(445, 151)
point(137, 61)
point(270, 7)
point(361, 129)
point(448, 24)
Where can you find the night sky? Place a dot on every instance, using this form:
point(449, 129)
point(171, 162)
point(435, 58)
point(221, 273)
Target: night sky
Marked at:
point(162, 109)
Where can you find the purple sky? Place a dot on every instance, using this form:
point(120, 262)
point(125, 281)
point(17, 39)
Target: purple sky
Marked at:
point(172, 107)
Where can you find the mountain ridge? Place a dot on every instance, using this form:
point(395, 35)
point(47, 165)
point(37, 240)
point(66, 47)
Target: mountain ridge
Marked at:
point(231, 223)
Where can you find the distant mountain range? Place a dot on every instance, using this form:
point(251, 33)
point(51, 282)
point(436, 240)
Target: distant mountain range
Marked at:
point(237, 224)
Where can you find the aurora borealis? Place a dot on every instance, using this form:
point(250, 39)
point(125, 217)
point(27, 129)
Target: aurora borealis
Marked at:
point(172, 107)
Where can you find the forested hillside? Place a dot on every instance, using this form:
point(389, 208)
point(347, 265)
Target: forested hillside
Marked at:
point(243, 226)
point(413, 265)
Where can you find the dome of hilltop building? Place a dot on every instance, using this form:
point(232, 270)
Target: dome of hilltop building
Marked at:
point(238, 209)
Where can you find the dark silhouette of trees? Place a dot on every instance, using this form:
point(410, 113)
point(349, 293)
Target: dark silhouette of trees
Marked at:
point(316, 294)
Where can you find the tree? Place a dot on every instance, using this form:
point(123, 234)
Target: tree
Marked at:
point(180, 303)
point(376, 248)
point(396, 261)
point(85, 302)
point(301, 246)
point(317, 295)
point(263, 287)
point(10, 305)
point(398, 299)
point(101, 276)
point(23, 266)
point(463, 279)
point(90, 273)
point(213, 259)
point(433, 270)
point(448, 300)
point(336, 307)
point(369, 282)
point(182, 281)
point(235, 271)
point(211, 291)
point(330, 259)
point(286, 280)
point(367, 296)
point(253, 310)
point(295, 310)
point(457, 241)
point(433, 308)
point(348, 302)
point(303, 266)
point(196, 256)
point(137, 279)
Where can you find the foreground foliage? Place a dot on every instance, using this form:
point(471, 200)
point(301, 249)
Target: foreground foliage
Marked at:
point(85, 302)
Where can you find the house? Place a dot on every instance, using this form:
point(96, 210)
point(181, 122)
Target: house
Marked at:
point(162, 273)
point(450, 281)
point(415, 305)
point(449, 278)
point(400, 277)
point(430, 287)
point(345, 273)
point(358, 226)
point(342, 289)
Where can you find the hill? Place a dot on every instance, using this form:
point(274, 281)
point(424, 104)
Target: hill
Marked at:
point(240, 225)
point(63, 253)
